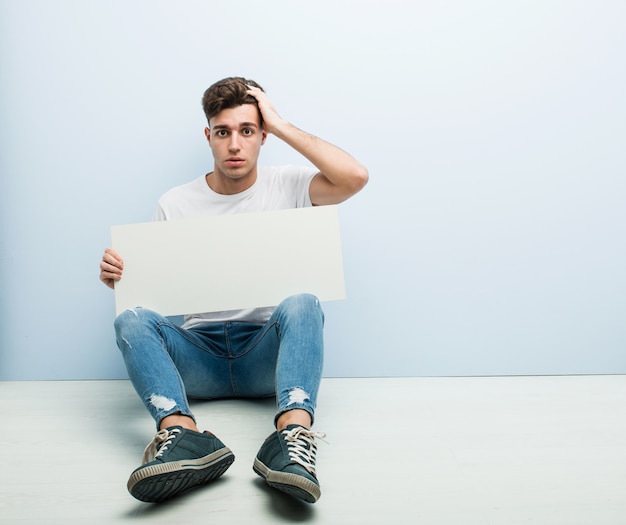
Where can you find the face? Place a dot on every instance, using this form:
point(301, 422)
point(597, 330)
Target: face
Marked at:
point(235, 137)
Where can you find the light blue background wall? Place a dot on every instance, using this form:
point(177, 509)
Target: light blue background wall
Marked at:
point(490, 240)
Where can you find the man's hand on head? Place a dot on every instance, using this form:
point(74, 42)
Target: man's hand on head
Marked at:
point(340, 175)
point(271, 119)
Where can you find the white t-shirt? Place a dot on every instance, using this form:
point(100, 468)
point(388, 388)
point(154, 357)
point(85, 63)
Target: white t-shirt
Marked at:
point(276, 188)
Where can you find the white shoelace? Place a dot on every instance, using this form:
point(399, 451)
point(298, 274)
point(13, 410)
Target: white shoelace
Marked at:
point(302, 447)
point(159, 444)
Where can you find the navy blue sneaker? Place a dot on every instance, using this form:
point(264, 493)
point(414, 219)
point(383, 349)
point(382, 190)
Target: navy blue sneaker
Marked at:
point(287, 462)
point(176, 461)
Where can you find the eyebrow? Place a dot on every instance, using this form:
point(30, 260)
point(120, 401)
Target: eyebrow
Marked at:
point(242, 125)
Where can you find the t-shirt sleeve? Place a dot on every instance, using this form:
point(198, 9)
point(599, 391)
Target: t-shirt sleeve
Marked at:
point(298, 179)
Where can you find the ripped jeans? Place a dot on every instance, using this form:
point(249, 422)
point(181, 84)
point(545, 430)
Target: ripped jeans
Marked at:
point(168, 364)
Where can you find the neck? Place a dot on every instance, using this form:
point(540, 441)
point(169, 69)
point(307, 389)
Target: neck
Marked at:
point(225, 185)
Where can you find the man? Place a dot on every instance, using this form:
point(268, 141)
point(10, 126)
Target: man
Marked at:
point(250, 353)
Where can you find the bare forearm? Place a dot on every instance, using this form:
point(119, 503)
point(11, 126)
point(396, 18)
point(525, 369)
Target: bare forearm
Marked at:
point(330, 160)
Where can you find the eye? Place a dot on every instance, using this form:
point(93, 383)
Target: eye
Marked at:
point(221, 133)
point(247, 131)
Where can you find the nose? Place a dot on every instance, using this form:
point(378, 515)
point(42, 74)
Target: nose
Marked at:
point(234, 143)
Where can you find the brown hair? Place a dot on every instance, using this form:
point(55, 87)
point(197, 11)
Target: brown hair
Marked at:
point(228, 93)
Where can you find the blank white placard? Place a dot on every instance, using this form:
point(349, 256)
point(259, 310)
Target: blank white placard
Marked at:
point(229, 262)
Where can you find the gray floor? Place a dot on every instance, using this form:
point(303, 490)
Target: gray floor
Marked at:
point(462, 451)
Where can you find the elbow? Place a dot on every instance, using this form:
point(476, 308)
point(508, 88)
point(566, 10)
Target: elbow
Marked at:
point(325, 192)
point(360, 177)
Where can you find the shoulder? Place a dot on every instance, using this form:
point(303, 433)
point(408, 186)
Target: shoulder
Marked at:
point(193, 190)
point(181, 201)
point(191, 187)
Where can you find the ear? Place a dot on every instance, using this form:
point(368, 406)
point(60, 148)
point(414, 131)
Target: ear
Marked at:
point(263, 137)
point(207, 134)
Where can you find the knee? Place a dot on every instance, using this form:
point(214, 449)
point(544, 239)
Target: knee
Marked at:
point(131, 319)
point(302, 304)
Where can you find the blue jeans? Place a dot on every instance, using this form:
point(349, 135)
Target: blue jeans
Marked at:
point(167, 364)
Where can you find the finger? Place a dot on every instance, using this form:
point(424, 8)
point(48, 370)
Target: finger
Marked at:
point(109, 278)
point(255, 92)
point(113, 259)
point(110, 270)
point(111, 265)
point(112, 253)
